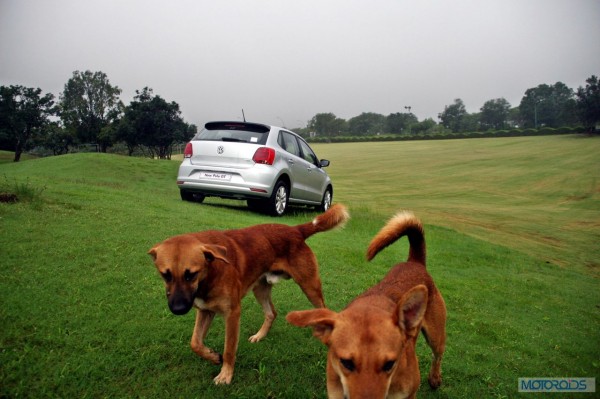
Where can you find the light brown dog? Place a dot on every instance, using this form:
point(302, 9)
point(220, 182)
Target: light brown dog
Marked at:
point(372, 341)
point(213, 270)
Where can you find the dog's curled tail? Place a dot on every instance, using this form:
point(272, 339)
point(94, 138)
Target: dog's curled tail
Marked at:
point(336, 216)
point(404, 223)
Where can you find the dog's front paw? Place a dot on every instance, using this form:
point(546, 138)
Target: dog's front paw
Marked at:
point(208, 354)
point(256, 337)
point(214, 357)
point(435, 380)
point(224, 376)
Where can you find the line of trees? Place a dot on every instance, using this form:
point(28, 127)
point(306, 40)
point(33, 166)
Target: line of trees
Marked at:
point(550, 106)
point(89, 111)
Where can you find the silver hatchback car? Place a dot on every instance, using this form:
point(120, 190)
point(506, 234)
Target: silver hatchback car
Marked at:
point(268, 166)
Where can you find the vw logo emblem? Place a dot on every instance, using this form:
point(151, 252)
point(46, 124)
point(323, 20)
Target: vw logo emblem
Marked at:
point(220, 149)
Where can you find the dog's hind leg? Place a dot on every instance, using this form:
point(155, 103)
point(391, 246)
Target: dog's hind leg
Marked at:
point(434, 330)
point(262, 292)
point(305, 272)
point(203, 320)
point(313, 291)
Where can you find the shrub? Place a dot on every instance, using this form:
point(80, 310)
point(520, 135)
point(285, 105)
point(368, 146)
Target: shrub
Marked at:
point(15, 191)
point(546, 131)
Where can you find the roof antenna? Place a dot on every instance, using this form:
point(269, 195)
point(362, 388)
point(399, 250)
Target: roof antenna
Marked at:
point(244, 116)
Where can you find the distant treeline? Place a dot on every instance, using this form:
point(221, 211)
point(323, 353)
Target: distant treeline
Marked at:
point(90, 115)
point(545, 131)
point(545, 106)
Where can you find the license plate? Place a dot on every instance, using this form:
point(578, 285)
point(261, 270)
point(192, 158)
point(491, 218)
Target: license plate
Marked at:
point(215, 176)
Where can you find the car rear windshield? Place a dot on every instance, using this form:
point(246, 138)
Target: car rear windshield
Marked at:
point(234, 132)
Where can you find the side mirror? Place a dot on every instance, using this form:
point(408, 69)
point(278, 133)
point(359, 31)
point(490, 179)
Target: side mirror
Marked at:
point(324, 163)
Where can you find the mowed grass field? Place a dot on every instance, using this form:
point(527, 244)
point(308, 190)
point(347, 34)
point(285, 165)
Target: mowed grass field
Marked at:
point(537, 195)
point(512, 228)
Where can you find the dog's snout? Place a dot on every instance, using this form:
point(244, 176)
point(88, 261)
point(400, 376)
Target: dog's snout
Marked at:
point(180, 302)
point(179, 308)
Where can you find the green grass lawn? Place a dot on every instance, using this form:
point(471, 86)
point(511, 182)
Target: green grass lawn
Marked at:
point(7, 157)
point(512, 228)
point(534, 194)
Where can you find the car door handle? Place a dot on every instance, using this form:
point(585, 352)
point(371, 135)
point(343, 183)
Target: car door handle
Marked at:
point(290, 161)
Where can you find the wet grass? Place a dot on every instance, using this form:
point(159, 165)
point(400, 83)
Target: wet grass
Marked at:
point(539, 195)
point(511, 244)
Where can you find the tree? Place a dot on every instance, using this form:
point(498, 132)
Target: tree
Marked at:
point(24, 113)
point(424, 126)
point(327, 124)
point(400, 122)
point(57, 139)
point(366, 124)
point(453, 117)
point(514, 118)
point(545, 105)
point(470, 122)
point(151, 121)
point(494, 114)
point(88, 104)
point(588, 102)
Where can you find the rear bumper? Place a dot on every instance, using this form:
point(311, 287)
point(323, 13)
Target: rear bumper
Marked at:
point(253, 183)
point(222, 191)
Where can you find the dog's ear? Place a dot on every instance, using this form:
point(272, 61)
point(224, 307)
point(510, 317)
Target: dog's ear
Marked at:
point(411, 309)
point(212, 252)
point(321, 320)
point(152, 251)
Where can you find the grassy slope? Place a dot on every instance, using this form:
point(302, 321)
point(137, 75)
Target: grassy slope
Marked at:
point(84, 313)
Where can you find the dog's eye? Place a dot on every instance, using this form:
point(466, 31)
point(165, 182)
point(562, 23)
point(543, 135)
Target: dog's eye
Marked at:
point(167, 276)
point(189, 276)
point(348, 364)
point(388, 366)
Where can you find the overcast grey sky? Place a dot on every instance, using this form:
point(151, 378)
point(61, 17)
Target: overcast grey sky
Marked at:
point(285, 61)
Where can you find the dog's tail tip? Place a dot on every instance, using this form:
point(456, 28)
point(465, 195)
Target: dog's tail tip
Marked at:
point(403, 223)
point(336, 216)
point(341, 214)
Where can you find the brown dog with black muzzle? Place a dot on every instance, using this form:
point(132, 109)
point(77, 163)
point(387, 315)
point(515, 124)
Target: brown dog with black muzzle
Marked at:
point(372, 341)
point(213, 270)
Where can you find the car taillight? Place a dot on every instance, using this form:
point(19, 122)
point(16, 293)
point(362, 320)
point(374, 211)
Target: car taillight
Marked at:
point(264, 155)
point(189, 151)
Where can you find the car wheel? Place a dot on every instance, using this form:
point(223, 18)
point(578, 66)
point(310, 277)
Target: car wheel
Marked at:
point(279, 199)
point(191, 196)
point(326, 202)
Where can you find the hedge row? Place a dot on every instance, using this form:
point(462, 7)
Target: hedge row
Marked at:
point(545, 131)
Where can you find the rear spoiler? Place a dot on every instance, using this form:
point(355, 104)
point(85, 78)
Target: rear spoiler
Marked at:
point(247, 126)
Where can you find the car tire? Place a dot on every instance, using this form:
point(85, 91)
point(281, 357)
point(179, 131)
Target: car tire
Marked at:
point(278, 202)
point(191, 196)
point(327, 200)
